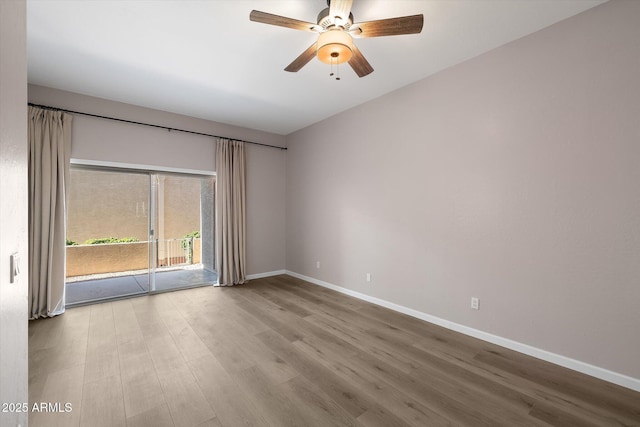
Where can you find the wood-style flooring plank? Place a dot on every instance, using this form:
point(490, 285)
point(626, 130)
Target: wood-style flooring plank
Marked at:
point(157, 416)
point(269, 400)
point(280, 352)
point(44, 361)
point(343, 392)
point(596, 396)
point(102, 349)
point(102, 403)
point(140, 385)
point(65, 387)
point(443, 343)
point(399, 403)
point(126, 323)
point(187, 404)
point(552, 415)
point(420, 364)
point(187, 341)
point(213, 422)
point(451, 397)
point(45, 334)
point(223, 394)
point(318, 408)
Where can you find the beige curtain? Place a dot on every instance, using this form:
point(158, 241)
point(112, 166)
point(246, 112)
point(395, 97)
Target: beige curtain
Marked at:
point(230, 212)
point(49, 156)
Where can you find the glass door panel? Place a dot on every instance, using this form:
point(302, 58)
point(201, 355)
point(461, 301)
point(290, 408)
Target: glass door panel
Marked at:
point(183, 218)
point(107, 235)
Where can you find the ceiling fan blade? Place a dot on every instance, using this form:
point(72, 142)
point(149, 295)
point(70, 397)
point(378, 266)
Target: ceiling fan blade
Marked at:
point(341, 8)
point(303, 59)
point(359, 63)
point(389, 27)
point(283, 21)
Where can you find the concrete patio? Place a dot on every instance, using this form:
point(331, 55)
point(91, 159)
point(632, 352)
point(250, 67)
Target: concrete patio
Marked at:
point(106, 288)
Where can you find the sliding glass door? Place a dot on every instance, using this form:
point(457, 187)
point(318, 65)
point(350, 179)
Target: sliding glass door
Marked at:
point(134, 232)
point(182, 228)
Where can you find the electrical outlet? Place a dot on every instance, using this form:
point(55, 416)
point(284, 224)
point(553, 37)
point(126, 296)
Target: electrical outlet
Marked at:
point(317, 264)
point(368, 277)
point(475, 303)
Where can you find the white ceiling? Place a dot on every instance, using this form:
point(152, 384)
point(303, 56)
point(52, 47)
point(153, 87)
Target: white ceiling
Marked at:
point(206, 59)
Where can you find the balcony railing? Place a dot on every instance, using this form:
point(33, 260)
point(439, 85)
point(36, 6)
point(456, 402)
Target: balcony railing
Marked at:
point(84, 260)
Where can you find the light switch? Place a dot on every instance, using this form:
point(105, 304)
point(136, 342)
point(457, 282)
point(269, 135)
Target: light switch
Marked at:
point(14, 266)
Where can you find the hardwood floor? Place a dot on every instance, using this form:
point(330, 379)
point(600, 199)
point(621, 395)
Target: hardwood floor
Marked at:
point(283, 352)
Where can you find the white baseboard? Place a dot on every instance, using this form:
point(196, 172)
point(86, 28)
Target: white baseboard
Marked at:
point(576, 365)
point(266, 274)
point(259, 275)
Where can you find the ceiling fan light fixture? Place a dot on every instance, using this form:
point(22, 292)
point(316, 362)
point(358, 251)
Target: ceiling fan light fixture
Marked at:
point(335, 47)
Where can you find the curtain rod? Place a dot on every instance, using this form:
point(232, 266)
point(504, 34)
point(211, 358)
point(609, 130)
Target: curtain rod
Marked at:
point(46, 107)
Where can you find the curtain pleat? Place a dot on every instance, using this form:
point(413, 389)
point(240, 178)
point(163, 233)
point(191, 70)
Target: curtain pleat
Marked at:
point(49, 156)
point(231, 212)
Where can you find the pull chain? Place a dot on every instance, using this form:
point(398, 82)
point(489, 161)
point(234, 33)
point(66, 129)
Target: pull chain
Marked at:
point(334, 55)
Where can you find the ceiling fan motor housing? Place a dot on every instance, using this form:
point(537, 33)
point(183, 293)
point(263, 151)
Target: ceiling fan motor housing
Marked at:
point(327, 22)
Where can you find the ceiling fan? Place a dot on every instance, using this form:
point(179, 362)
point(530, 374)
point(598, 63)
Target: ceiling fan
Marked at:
point(336, 30)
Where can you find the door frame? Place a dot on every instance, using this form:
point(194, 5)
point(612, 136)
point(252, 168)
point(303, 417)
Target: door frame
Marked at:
point(148, 170)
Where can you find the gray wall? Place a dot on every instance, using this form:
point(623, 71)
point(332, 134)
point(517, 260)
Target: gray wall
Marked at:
point(513, 177)
point(13, 207)
point(99, 140)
